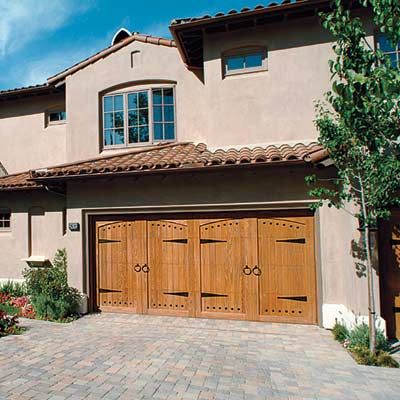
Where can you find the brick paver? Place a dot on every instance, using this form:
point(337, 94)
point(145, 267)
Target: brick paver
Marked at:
point(119, 356)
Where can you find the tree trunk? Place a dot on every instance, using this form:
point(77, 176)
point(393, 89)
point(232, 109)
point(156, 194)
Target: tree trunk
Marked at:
point(370, 275)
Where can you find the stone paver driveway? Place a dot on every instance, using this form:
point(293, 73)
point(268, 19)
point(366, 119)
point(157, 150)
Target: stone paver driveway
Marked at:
point(118, 356)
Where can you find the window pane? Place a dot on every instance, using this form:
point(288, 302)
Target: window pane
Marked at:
point(157, 96)
point(157, 114)
point(108, 137)
point(168, 96)
point(119, 136)
point(169, 113)
point(384, 44)
point(158, 132)
point(132, 101)
point(119, 119)
point(132, 118)
point(144, 133)
point(118, 103)
point(108, 103)
point(235, 62)
point(108, 120)
point(143, 100)
point(393, 59)
point(54, 116)
point(144, 117)
point(169, 131)
point(253, 60)
point(133, 135)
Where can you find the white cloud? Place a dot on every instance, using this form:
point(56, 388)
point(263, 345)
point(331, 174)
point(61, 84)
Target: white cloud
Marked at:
point(39, 69)
point(23, 21)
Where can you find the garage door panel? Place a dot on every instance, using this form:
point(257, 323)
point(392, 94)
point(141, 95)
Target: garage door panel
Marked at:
point(119, 286)
point(168, 276)
point(226, 246)
point(286, 257)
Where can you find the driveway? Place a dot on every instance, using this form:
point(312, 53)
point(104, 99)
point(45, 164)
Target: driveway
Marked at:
point(119, 356)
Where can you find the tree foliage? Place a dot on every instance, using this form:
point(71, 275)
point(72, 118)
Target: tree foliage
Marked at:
point(360, 122)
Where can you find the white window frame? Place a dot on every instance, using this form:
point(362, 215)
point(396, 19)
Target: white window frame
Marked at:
point(55, 110)
point(3, 212)
point(242, 52)
point(126, 118)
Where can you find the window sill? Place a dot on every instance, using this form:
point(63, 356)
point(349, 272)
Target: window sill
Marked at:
point(241, 73)
point(138, 145)
point(53, 123)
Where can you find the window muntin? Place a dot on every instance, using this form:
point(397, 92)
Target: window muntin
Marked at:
point(5, 220)
point(163, 114)
point(387, 48)
point(139, 117)
point(114, 120)
point(242, 61)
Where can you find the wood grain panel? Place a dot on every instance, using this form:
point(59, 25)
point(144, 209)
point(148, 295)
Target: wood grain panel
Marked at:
point(226, 247)
point(120, 246)
point(168, 277)
point(287, 283)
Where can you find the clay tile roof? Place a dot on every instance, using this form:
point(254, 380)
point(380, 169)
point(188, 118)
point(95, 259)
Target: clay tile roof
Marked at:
point(159, 41)
point(18, 181)
point(243, 10)
point(177, 157)
point(26, 91)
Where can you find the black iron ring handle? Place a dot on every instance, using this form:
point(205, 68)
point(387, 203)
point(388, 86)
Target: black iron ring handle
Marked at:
point(247, 270)
point(137, 268)
point(145, 268)
point(256, 271)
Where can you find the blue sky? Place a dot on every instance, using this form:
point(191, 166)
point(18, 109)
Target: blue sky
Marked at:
point(39, 38)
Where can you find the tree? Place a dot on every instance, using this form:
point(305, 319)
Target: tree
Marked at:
point(359, 124)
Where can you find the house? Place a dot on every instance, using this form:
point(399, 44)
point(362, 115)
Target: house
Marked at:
point(173, 172)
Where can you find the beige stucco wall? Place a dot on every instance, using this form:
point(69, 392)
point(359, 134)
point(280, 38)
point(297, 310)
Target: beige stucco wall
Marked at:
point(26, 141)
point(15, 244)
point(158, 63)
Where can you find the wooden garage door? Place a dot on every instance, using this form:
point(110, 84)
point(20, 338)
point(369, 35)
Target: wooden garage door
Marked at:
point(236, 268)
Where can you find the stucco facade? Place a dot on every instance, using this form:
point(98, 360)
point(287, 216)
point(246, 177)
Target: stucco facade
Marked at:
point(274, 106)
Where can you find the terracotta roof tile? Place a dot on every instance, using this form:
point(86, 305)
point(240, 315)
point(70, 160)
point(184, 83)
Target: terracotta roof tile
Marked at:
point(18, 181)
point(177, 157)
point(269, 7)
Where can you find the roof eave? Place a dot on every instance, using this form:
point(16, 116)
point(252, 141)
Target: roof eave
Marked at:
point(283, 163)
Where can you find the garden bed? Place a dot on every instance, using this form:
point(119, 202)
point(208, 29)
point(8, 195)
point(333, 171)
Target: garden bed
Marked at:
point(356, 342)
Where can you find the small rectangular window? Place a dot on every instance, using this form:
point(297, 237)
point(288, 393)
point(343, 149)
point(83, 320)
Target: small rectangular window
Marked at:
point(245, 61)
point(387, 48)
point(55, 117)
point(114, 120)
point(5, 220)
point(163, 114)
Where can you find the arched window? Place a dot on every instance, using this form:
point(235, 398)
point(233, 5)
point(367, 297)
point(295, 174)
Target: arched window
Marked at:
point(5, 219)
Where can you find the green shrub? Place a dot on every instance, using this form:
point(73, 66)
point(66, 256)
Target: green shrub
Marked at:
point(8, 309)
point(51, 296)
point(14, 289)
point(359, 338)
point(340, 332)
point(380, 359)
